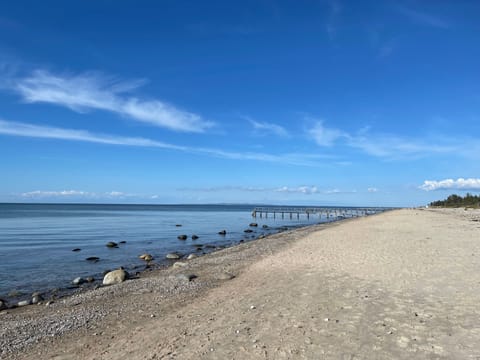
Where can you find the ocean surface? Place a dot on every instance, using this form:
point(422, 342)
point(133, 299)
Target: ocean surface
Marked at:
point(36, 240)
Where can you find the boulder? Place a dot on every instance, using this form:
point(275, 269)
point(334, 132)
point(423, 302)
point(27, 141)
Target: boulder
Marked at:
point(223, 232)
point(115, 277)
point(182, 237)
point(173, 256)
point(23, 303)
point(111, 244)
point(194, 237)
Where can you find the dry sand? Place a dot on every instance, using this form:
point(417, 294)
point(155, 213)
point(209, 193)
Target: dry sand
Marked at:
point(400, 285)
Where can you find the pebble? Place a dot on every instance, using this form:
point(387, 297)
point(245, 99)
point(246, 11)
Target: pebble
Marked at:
point(253, 307)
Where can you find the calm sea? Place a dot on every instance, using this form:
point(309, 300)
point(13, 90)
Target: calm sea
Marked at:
point(36, 240)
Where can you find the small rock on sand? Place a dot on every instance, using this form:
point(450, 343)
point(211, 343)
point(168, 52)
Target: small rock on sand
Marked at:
point(191, 256)
point(179, 264)
point(23, 303)
point(115, 277)
point(224, 276)
point(186, 277)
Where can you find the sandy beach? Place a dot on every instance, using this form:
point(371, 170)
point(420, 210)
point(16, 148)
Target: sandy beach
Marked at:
point(399, 285)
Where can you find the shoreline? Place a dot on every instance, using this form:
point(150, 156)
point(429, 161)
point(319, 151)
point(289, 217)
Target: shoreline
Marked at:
point(398, 285)
point(242, 254)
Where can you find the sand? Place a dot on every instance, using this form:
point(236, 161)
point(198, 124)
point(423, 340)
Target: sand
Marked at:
point(400, 285)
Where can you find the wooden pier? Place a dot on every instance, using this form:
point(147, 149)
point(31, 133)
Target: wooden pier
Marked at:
point(322, 212)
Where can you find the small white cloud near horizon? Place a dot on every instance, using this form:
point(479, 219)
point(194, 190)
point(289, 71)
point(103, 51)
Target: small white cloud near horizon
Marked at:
point(61, 193)
point(95, 91)
point(447, 184)
point(372, 190)
point(299, 190)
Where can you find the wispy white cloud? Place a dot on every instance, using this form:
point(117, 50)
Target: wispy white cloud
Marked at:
point(267, 127)
point(335, 8)
point(423, 18)
point(325, 136)
point(458, 184)
point(387, 145)
point(95, 91)
point(49, 132)
point(372, 190)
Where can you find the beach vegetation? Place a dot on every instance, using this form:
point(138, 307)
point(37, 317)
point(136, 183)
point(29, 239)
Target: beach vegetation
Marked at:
point(469, 200)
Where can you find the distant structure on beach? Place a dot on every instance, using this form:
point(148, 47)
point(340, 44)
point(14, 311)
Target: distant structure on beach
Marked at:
point(339, 212)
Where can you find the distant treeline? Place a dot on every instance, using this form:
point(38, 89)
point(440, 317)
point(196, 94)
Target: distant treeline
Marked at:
point(468, 200)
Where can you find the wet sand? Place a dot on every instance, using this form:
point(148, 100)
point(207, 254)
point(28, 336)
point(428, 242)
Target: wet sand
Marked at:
point(400, 285)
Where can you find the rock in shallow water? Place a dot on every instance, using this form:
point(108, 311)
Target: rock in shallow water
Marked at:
point(78, 281)
point(3, 305)
point(36, 298)
point(111, 244)
point(93, 258)
point(146, 257)
point(182, 237)
point(23, 303)
point(115, 277)
point(172, 256)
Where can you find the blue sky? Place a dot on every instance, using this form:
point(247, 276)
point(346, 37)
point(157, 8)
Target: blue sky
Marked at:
point(286, 102)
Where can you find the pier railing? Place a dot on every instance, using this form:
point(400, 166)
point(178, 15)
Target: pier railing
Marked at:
point(327, 212)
